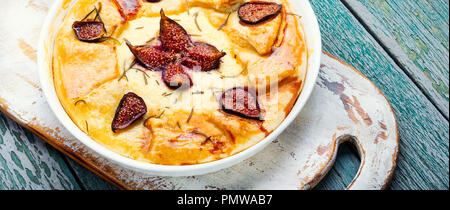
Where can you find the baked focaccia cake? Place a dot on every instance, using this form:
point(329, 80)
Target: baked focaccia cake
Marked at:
point(179, 82)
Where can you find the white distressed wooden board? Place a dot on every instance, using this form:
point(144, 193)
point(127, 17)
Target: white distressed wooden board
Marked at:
point(344, 103)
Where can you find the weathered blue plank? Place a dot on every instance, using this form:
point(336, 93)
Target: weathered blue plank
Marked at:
point(343, 171)
point(423, 160)
point(424, 151)
point(416, 34)
point(89, 180)
point(26, 162)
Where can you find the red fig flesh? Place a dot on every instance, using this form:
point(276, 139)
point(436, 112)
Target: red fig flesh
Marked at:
point(152, 57)
point(257, 11)
point(241, 102)
point(130, 109)
point(175, 77)
point(204, 55)
point(173, 37)
point(88, 31)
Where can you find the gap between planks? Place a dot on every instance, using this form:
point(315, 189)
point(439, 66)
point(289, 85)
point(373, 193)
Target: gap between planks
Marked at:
point(393, 57)
point(74, 174)
point(422, 138)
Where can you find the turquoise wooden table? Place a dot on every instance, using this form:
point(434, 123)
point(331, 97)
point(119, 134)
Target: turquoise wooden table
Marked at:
point(401, 45)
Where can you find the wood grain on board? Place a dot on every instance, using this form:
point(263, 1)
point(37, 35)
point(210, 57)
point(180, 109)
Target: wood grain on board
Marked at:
point(27, 162)
point(423, 157)
point(303, 157)
point(297, 159)
point(416, 34)
point(89, 180)
point(424, 132)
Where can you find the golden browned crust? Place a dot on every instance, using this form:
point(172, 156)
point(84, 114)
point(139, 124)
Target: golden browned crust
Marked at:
point(177, 130)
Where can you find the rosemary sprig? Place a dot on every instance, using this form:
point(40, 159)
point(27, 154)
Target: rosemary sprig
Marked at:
point(294, 14)
point(99, 17)
point(196, 23)
point(145, 75)
point(225, 23)
point(87, 127)
point(79, 101)
point(145, 121)
point(190, 115)
point(153, 116)
point(195, 131)
point(145, 78)
point(110, 38)
point(95, 8)
point(124, 74)
point(159, 116)
point(96, 13)
point(166, 94)
point(206, 140)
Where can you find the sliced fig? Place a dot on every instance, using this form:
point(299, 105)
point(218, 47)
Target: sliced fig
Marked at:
point(128, 9)
point(88, 31)
point(151, 57)
point(172, 35)
point(258, 11)
point(131, 108)
point(242, 102)
point(175, 77)
point(204, 55)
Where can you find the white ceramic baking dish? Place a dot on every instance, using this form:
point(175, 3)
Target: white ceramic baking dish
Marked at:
point(53, 21)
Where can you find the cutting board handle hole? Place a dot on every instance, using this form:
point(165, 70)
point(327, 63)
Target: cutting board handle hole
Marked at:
point(353, 140)
point(346, 166)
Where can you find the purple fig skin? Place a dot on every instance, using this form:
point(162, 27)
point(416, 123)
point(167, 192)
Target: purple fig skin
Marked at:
point(130, 109)
point(174, 53)
point(88, 31)
point(241, 102)
point(175, 77)
point(258, 11)
point(151, 57)
point(173, 37)
point(204, 55)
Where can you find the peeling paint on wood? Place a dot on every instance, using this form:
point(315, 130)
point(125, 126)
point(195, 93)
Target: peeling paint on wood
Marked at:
point(419, 43)
point(421, 125)
point(29, 164)
point(27, 50)
point(291, 162)
point(424, 133)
